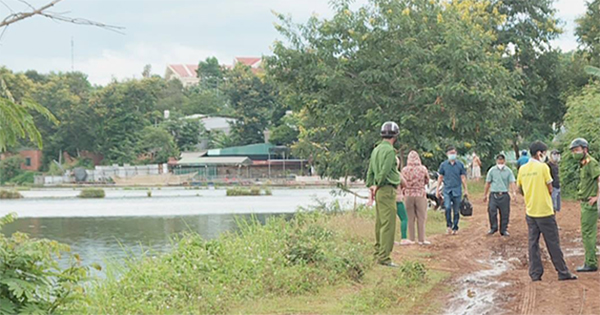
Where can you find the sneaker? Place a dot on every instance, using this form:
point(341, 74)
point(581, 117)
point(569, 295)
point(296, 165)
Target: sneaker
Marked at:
point(406, 242)
point(425, 243)
point(505, 234)
point(448, 231)
point(454, 232)
point(585, 268)
point(569, 276)
point(491, 232)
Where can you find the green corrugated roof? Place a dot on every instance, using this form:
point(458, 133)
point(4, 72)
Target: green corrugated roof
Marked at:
point(246, 150)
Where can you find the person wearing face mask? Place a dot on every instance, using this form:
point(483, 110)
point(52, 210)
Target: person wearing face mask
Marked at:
point(499, 180)
point(553, 161)
point(454, 176)
point(589, 191)
point(535, 183)
point(383, 179)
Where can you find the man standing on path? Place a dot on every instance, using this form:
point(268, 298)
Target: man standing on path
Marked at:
point(589, 191)
point(454, 176)
point(499, 179)
point(535, 183)
point(555, 172)
point(383, 179)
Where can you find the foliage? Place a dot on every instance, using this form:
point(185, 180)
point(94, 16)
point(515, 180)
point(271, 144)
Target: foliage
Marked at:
point(280, 258)
point(10, 168)
point(96, 193)
point(253, 101)
point(156, 145)
point(593, 71)
point(10, 194)
point(26, 177)
point(210, 73)
point(287, 131)
point(186, 132)
point(581, 121)
point(31, 281)
point(588, 31)
point(16, 108)
point(347, 75)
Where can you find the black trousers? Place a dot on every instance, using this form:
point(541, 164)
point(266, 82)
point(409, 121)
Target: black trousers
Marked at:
point(499, 203)
point(547, 227)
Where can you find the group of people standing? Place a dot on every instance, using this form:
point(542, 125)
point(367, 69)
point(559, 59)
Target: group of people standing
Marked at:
point(402, 192)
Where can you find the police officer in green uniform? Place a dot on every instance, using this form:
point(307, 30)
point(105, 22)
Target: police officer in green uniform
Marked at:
point(382, 179)
point(589, 191)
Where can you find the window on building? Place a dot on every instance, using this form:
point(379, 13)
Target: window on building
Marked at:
point(27, 161)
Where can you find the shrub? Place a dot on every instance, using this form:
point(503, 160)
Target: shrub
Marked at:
point(31, 281)
point(10, 194)
point(23, 178)
point(10, 168)
point(92, 193)
point(580, 122)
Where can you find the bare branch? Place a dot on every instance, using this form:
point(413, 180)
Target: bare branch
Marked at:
point(43, 11)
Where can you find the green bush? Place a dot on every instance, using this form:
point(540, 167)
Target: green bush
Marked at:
point(10, 168)
point(10, 194)
point(31, 281)
point(92, 193)
point(581, 121)
point(26, 177)
point(281, 258)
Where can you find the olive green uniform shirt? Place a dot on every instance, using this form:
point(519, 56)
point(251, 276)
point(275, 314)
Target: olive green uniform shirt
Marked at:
point(588, 179)
point(383, 170)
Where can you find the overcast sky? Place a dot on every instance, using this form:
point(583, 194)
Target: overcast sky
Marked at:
point(159, 32)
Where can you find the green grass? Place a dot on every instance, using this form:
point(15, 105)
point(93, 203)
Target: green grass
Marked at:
point(92, 193)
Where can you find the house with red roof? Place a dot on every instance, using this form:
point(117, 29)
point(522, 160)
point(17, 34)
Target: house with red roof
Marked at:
point(186, 73)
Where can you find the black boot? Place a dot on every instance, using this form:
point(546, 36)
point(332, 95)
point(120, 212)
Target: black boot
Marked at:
point(585, 268)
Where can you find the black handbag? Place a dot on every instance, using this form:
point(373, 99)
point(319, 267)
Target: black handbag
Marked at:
point(466, 208)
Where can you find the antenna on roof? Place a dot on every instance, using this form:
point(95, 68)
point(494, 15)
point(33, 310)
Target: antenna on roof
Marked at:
point(72, 54)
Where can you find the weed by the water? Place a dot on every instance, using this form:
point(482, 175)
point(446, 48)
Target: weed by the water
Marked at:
point(281, 258)
point(242, 191)
point(92, 193)
point(10, 194)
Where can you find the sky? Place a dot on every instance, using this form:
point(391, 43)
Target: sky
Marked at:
point(160, 32)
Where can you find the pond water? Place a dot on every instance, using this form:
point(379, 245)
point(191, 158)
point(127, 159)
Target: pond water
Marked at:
point(127, 222)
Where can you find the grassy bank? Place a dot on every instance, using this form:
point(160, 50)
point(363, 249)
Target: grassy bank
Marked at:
point(318, 261)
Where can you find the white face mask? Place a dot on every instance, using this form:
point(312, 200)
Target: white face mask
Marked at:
point(501, 166)
point(556, 158)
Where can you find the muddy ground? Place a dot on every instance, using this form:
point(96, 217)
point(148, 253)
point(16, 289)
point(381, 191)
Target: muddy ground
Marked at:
point(490, 275)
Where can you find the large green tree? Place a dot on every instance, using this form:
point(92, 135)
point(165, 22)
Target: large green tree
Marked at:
point(156, 145)
point(431, 66)
point(16, 108)
point(588, 32)
point(253, 101)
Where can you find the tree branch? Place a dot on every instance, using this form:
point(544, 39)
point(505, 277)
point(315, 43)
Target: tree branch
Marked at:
point(43, 11)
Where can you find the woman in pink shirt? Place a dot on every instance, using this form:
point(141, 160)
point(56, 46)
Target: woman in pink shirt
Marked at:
point(415, 177)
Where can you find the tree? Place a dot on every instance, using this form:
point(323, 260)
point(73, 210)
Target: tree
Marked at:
point(121, 111)
point(147, 72)
point(588, 32)
point(428, 65)
point(186, 132)
point(16, 108)
point(287, 131)
point(210, 73)
point(582, 120)
point(253, 101)
point(156, 145)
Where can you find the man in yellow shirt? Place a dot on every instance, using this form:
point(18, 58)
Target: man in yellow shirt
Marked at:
point(535, 183)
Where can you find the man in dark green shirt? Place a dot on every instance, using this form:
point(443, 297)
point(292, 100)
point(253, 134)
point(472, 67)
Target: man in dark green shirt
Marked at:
point(589, 191)
point(382, 179)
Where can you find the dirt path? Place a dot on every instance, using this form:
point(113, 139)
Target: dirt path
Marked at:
point(489, 273)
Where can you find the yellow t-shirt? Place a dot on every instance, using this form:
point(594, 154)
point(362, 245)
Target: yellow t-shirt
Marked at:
point(534, 178)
